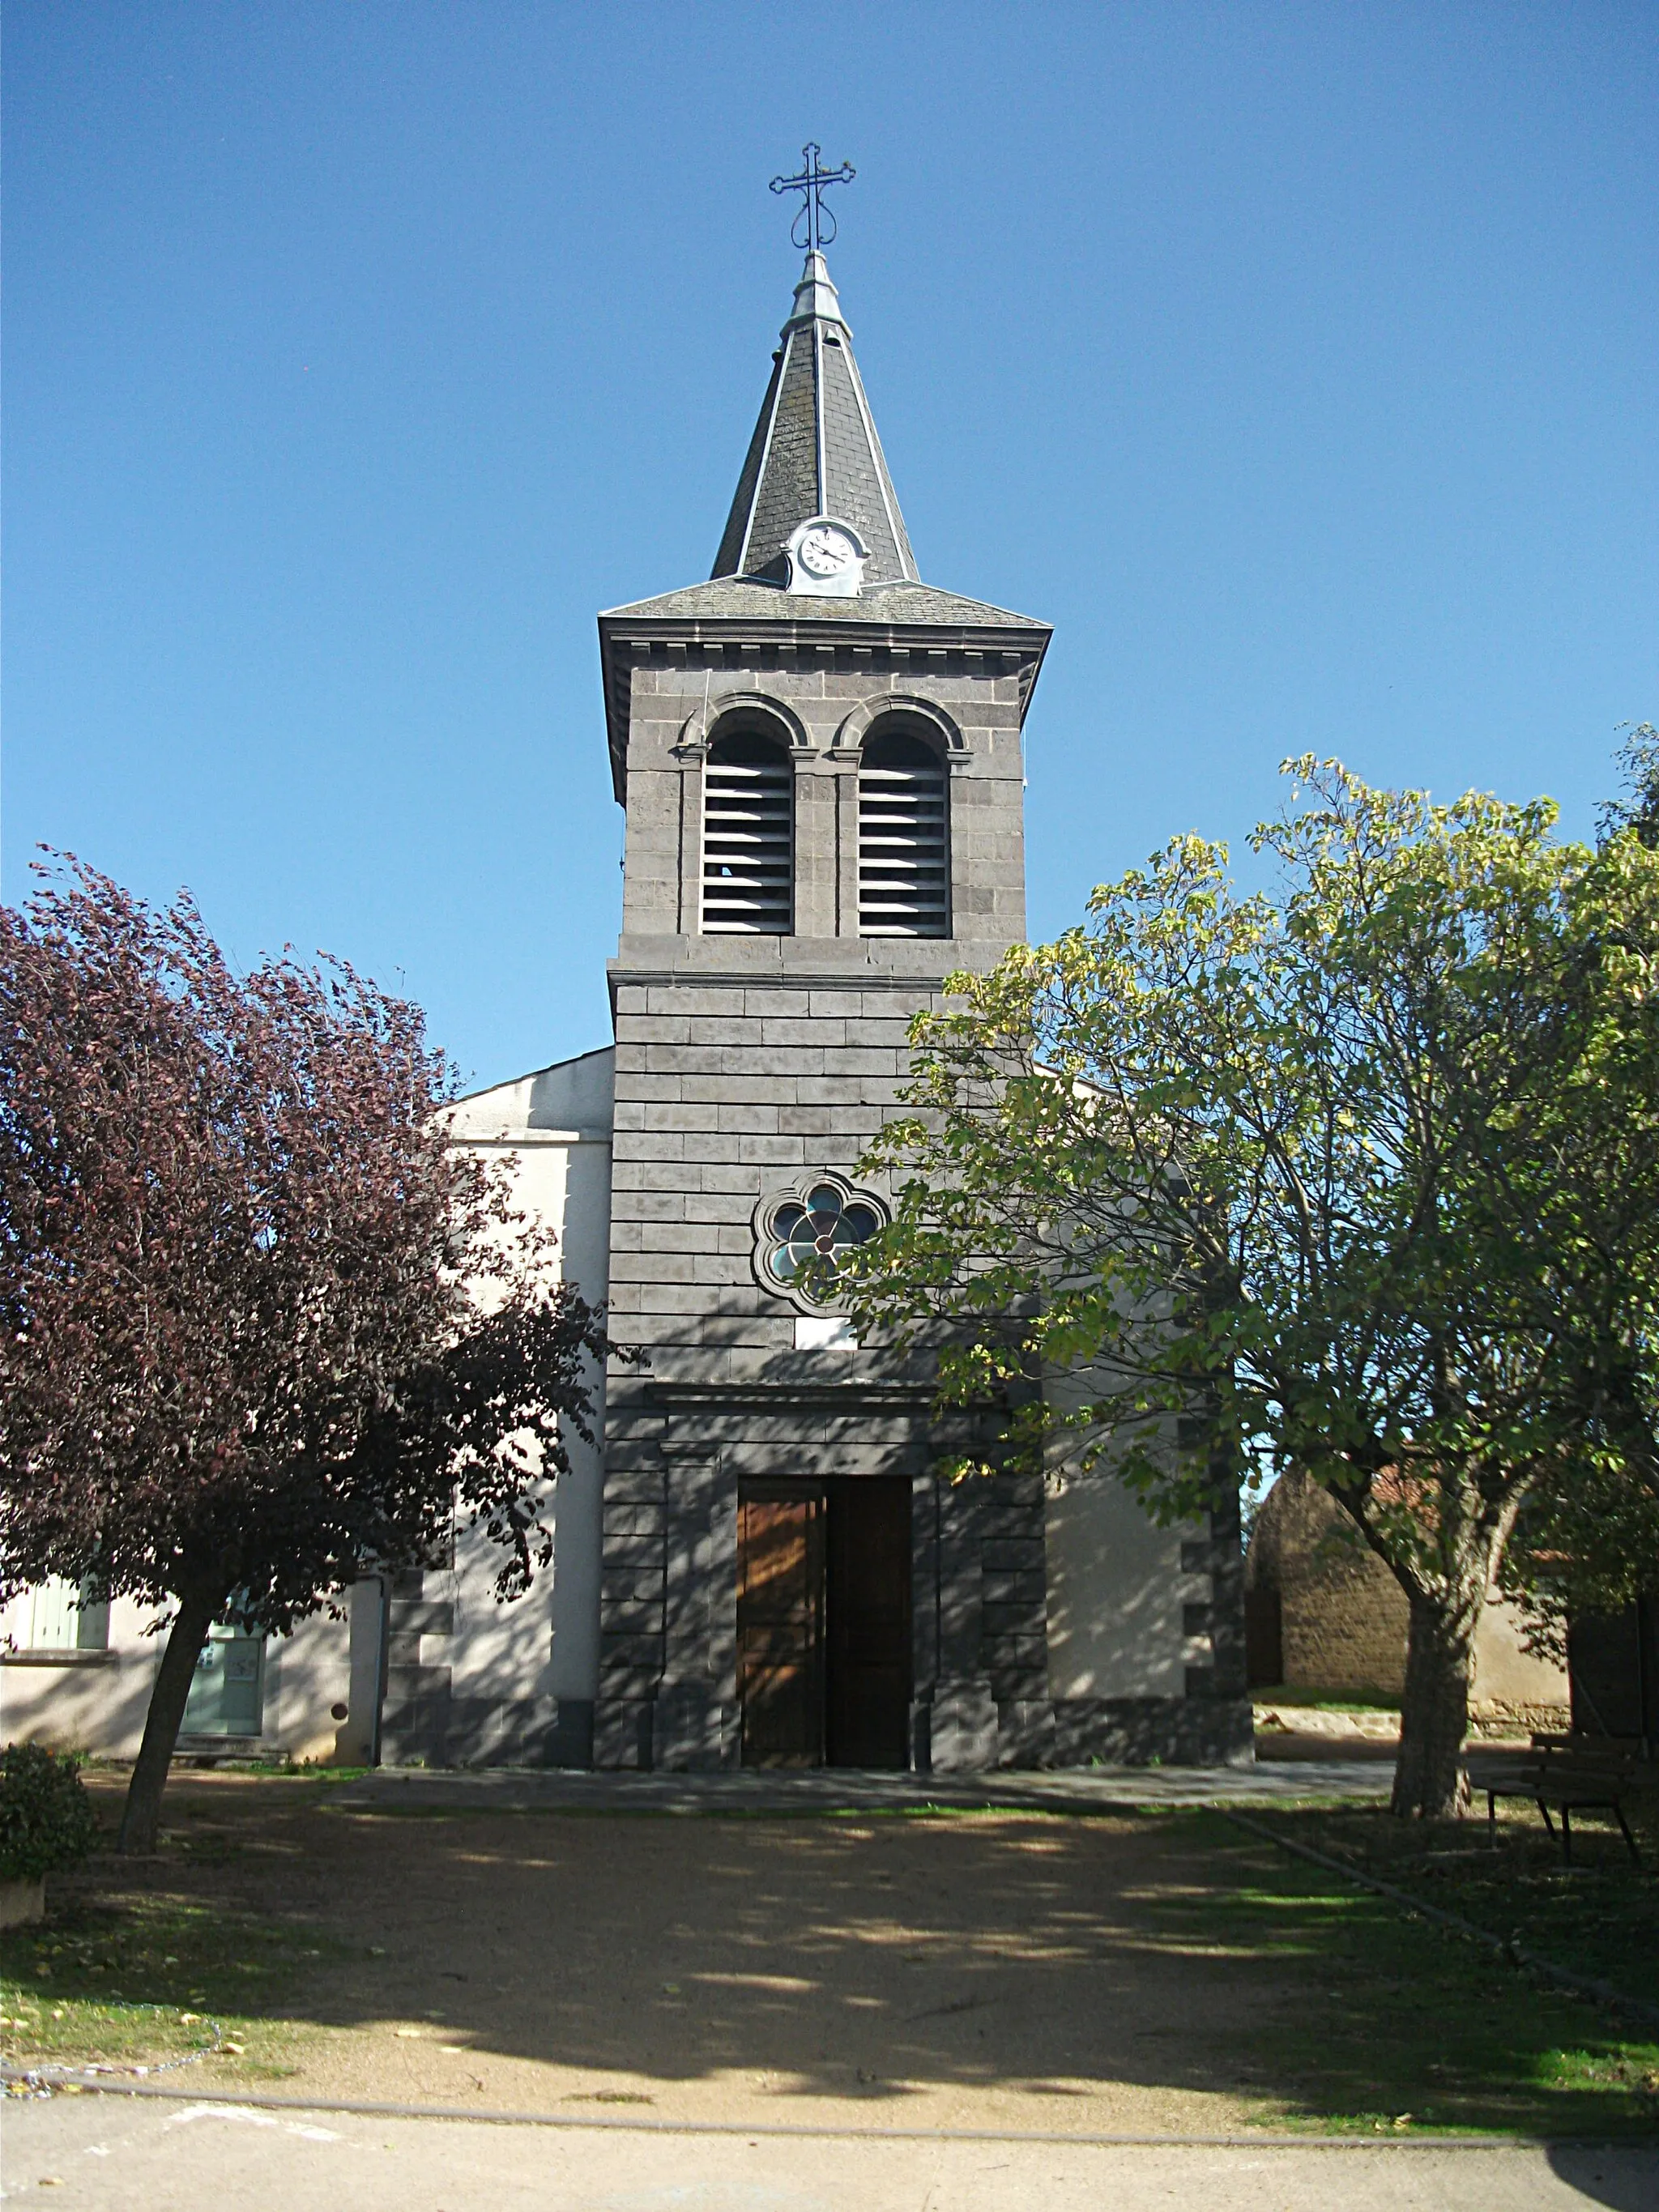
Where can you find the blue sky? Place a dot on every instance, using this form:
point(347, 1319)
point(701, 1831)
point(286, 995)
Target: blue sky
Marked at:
point(1297, 362)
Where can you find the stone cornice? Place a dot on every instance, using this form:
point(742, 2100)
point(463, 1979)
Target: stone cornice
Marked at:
point(856, 645)
point(869, 1393)
point(699, 976)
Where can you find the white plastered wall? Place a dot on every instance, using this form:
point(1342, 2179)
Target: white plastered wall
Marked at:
point(75, 1700)
point(1116, 1592)
point(553, 1129)
point(96, 1702)
point(1116, 1595)
point(1505, 1672)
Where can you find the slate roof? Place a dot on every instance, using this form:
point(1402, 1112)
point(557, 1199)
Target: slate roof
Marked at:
point(815, 449)
point(755, 599)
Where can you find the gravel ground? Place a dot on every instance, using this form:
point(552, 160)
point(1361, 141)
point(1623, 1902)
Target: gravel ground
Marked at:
point(987, 1970)
point(1123, 1971)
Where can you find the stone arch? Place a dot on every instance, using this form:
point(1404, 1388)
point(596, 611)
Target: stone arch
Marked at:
point(730, 709)
point(899, 706)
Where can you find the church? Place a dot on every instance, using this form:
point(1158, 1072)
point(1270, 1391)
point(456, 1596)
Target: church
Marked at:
point(820, 762)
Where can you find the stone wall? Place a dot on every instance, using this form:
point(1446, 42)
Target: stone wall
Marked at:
point(1343, 1619)
point(749, 1064)
point(743, 1064)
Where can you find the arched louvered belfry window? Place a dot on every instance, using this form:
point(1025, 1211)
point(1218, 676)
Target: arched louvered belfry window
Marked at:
point(748, 836)
point(904, 850)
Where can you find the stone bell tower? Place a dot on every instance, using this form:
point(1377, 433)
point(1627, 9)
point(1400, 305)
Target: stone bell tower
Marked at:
point(819, 757)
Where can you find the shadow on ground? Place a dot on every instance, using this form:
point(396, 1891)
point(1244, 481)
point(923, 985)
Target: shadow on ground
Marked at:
point(1601, 2179)
point(1159, 1972)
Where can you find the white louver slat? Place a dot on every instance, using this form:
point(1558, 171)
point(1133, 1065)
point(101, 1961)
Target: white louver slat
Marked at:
point(748, 841)
point(904, 884)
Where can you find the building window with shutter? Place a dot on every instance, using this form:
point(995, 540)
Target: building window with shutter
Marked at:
point(67, 1617)
point(748, 837)
point(904, 876)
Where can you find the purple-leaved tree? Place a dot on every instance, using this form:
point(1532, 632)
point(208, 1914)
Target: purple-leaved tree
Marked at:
point(262, 1325)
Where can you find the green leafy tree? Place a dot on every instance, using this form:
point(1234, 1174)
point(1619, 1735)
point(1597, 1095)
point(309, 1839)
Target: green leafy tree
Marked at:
point(1588, 1539)
point(1638, 811)
point(1316, 1177)
point(261, 1324)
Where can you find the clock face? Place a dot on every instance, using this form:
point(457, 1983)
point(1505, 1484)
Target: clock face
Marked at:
point(825, 552)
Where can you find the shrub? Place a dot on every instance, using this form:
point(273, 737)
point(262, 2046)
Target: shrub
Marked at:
point(46, 1820)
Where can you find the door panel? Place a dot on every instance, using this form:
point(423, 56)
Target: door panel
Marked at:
point(227, 1691)
point(781, 1630)
point(867, 1625)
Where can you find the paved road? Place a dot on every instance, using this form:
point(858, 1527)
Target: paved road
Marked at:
point(529, 1789)
point(110, 2154)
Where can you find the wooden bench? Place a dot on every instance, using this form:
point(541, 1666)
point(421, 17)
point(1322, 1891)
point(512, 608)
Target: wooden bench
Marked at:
point(1573, 1773)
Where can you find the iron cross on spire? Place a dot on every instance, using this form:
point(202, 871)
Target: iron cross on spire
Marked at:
point(812, 212)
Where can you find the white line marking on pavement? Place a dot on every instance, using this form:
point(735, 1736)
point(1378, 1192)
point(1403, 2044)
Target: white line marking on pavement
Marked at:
point(251, 2119)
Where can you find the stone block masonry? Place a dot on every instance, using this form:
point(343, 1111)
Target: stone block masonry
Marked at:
point(743, 1064)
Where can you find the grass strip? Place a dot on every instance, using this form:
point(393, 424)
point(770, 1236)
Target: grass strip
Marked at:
point(1584, 1986)
point(137, 1980)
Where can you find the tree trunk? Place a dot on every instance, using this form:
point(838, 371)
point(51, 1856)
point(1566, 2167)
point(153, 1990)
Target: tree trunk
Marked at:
point(1429, 1782)
point(167, 1711)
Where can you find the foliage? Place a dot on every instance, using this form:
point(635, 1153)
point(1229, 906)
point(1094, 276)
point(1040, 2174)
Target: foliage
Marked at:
point(1590, 1543)
point(260, 1322)
point(1345, 1177)
point(1585, 1544)
point(1639, 811)
point(46, 1820)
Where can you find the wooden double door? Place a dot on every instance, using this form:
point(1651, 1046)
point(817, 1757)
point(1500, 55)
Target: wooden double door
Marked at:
point(823, 1622)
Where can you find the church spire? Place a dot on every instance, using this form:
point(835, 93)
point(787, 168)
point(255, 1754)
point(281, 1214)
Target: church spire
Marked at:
point(815, 451)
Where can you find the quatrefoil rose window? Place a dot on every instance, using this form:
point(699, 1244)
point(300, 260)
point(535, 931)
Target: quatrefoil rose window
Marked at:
point(806, 1235)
